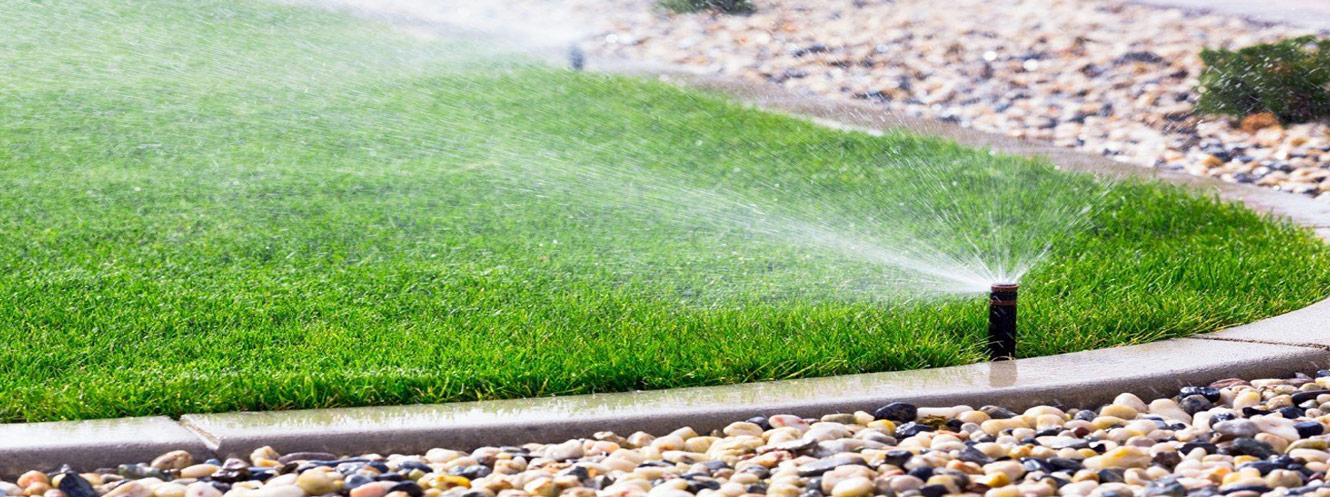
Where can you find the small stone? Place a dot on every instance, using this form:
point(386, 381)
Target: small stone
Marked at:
point(305, 456)
point(1193, 404)
point(199, 470)
point(174, 460)
point(130, 488)
point(911, 429)
point(1132, 401)
point(315, 481)
point(71, 484)
point(743, 428)
point(202, 489)
point(1251, 447)
point(997, 412)
point(1169, 410)
point(898, 412)
point(261, 454)
point(1121, 457)
point(1256, 122)
point(376, 489)
point(169, 490)
point(820, 466)
point(1237, 428)
point(569, 450)
point(853, 487)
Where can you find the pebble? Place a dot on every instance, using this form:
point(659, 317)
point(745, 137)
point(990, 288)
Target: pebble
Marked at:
point(1257, 439)
point(174, 460)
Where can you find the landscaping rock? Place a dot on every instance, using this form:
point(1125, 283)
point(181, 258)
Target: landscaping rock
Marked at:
point(1251, 442)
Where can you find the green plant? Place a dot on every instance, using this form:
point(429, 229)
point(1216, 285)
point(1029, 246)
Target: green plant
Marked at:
point(730, 6)
point(1290, 79)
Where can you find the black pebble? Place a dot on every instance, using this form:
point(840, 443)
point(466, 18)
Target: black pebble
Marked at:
point(1086, 415)
point(897, 457)
point(1190, 446)
point(1290, 412)
point(354, 481)
point(1265, 467)
point(1193, 404)
point(1251, 447)
point(1165, 487)
point(1112, 475)
point(1307, 429)
point(1033, 464)
point(1210, 394)
point(74, 485)
point(997, 412)
point(1301, 397)
point(760, 421)
point(715, 465)
point(1065, 464)
point(1248, 412)
point(933, 490)
point(922, 473)
point(697, 485)
point(971, 454)
point(408, 487)
point(898, 412)
point(408, 466)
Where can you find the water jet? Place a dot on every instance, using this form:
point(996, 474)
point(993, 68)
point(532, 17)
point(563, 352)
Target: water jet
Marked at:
point(1002, 321)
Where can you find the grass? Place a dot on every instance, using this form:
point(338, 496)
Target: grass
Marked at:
point(221, 205)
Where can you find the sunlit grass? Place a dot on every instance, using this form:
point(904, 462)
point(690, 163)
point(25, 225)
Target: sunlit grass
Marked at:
point(221, 205)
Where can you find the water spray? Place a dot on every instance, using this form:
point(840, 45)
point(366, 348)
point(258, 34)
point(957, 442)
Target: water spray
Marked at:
point(1002, 321)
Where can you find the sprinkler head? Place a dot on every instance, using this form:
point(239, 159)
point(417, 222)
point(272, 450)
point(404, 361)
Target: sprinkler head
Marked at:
point(576, 58)
point(1002, 321)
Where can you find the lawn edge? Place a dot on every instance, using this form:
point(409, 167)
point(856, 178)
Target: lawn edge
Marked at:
point(1277, 346)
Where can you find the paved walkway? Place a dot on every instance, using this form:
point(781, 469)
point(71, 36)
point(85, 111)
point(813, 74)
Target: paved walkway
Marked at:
point(1314, 14)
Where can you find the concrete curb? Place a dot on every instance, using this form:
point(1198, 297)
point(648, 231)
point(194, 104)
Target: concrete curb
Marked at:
point(1297, 341)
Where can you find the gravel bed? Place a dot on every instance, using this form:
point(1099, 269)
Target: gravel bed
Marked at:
point(1233, 437)
point(1098, 75)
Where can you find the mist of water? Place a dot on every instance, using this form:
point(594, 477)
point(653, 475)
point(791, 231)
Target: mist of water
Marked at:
point(910, 227)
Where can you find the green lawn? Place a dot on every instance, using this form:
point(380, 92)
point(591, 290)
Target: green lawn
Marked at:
point(221, 204)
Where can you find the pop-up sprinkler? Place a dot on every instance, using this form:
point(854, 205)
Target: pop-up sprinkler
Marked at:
point(1002, 321)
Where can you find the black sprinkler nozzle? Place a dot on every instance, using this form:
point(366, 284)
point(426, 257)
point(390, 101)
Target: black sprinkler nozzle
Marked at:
point(1002, 321)
point(576, 58)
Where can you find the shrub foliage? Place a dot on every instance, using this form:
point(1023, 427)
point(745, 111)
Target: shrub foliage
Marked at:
point(1289, 79)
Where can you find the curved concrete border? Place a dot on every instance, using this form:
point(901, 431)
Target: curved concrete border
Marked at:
point(1296, 341)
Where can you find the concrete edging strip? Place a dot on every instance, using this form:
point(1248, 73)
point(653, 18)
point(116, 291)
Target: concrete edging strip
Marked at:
point(1299, 340)
point(89, 444)
point(1077, 379)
